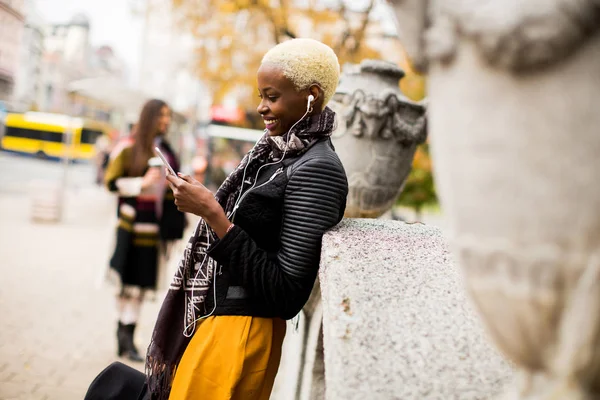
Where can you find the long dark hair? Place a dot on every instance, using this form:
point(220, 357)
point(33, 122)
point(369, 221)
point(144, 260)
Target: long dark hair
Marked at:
point(143, 137)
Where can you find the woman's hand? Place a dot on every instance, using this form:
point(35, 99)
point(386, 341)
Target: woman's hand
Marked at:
point(193, 197)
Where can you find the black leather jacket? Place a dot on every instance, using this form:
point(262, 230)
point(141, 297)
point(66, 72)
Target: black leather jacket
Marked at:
point(271, 257)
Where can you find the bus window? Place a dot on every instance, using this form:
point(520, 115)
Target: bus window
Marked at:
point(52, 136)
point(21, 133)
point(33, 134)
point(89, 136)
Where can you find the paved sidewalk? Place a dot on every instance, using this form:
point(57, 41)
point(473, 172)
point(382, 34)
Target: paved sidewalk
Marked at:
point(58, 324)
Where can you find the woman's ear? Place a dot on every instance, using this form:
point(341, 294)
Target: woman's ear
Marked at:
point(316, 92)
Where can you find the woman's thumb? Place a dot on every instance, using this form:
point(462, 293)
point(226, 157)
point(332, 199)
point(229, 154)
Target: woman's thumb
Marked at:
point(186, 178)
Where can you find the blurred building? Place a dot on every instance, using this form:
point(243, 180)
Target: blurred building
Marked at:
point(104, 62)
point(168, 60)
point(167, 72)
point(81, 80)
point(101, 93)
point(12, 23)
point(65, 59)
point(71, 40)
point(28, 78)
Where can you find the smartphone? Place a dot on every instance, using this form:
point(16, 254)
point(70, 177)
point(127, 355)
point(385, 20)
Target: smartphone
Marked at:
point(164, 160)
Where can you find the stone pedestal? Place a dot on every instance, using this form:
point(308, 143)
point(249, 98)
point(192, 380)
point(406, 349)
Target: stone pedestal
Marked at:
point(397, 323)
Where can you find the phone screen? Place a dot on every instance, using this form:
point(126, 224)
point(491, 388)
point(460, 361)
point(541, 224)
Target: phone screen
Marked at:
point(164, 159)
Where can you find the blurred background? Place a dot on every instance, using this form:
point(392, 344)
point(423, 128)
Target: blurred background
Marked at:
point(101, 61)
point(73, 77)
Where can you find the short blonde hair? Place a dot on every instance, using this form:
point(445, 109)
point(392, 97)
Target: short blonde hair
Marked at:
point(306, 62)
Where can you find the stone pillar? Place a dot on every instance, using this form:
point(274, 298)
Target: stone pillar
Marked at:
point(301, 374)
point(514, 124)
point(312, 384)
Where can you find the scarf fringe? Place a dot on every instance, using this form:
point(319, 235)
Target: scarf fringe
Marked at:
point(159, 374)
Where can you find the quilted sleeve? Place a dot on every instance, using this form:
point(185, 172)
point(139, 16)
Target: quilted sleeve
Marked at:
point(315, 200)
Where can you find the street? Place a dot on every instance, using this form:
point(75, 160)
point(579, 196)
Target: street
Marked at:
point(17, 172)
point(58, 319)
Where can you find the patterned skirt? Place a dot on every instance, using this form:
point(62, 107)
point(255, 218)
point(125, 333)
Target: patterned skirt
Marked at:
point(136, 256)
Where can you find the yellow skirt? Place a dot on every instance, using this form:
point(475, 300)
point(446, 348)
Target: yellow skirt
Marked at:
point(230, 358)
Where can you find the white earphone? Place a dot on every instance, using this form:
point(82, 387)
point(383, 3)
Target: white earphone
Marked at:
point(311, 98)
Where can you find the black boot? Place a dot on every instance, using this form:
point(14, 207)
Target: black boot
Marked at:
point(125, 342)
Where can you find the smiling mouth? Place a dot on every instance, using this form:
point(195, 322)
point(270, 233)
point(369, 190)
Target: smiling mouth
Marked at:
point(269, 123)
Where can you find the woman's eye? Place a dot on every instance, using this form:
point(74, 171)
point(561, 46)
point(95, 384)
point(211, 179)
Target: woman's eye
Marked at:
point(270, 98)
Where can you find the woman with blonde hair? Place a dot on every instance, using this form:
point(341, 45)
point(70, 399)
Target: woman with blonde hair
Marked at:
point(253, 259)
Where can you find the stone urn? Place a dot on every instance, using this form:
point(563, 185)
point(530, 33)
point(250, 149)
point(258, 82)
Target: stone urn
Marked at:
point(377, 134)
point(515, 136)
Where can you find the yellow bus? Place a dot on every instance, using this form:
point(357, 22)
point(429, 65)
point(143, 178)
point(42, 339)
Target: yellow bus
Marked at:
point(45, 135)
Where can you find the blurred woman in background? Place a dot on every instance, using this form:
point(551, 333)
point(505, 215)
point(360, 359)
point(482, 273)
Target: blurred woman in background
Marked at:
point(148, 217)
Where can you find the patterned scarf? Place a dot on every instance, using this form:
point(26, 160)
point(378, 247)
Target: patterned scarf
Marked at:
point(184, 303)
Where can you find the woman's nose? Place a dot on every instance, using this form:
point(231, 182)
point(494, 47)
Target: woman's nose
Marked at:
point(262, 108)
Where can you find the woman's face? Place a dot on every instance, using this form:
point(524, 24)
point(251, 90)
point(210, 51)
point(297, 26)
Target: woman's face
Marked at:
point(163, 121)
point(281, 105)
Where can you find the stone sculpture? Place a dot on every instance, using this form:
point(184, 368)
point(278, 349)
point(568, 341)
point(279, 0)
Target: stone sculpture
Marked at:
point(377, 134)
point(513, 116)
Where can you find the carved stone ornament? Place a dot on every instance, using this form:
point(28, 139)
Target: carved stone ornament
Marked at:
point(377, 135)
point(514, 34)
point(514, 122)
